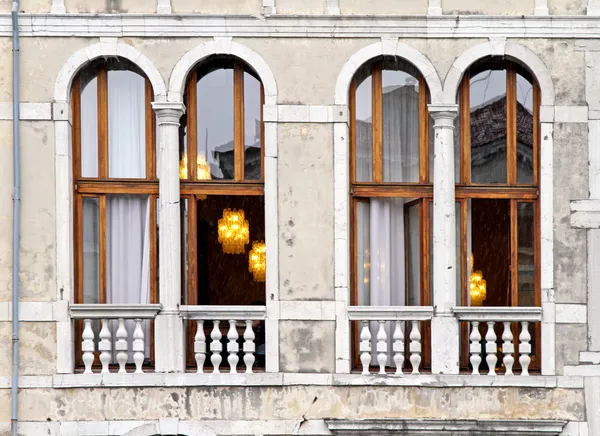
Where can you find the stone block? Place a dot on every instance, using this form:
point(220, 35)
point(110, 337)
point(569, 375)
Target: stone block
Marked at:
point(567, 7)
point(392, 7)
point(506, 7)
point(570, 340)
point(307, 346)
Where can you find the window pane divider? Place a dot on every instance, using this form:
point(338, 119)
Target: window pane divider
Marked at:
point(103, 123)
point(511, 125)
point(238, 117)
point(192, 126)
point(377, 123)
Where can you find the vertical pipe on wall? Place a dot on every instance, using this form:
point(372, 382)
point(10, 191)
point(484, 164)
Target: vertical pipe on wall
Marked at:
point(16, 222)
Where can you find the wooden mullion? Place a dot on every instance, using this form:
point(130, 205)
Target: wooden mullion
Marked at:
point(399, 190)
point(537, 279)
point(78, 245)
point(423, 131)
point(102, 250)
point(102, 80)
point(192, 290)
point(76, 139)
point(238, 121)
point(222, 188)
point(511, 125)
point(262, 133)
point(536, 131)
point(514, 255)
point(354, 274)
point(500, 191)
point(352, 132)
point(464, 293)
point(425, 285)
point(116, 187)
point(153, 266)
point(465, 130)
point(377, 123)
point(192, 126)
point(149, 129)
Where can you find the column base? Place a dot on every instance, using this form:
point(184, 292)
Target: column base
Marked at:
point(169, 343)
point(444, 345)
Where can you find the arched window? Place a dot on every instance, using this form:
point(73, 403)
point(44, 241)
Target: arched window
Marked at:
point(115, 185)
point(222, 189)
point(391, 172)
point(498, 187)
point(391, 185)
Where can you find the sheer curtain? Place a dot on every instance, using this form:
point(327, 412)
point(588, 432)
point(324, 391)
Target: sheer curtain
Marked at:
point(127, 216)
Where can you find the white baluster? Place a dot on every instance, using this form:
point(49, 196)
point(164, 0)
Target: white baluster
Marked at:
point(105, 346)
point(215, 346)
point(475, 347)
point(249, 346)
point(121, 345)
point(524, 348)
point(415, 347)
point(232, 347)
point(508, 348)
point(491, 348)
point(381, 347)
point(87, 346)
point(365, 347)
point(200, 346)
point(398, 348)
point(138, 346)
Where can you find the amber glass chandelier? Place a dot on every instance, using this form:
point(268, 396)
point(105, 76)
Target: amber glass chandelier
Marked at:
point(234, 231)
point(257, 261)
point(202, 168)
point(477, 284)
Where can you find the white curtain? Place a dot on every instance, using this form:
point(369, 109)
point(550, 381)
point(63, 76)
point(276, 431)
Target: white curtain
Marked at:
point(127, 216)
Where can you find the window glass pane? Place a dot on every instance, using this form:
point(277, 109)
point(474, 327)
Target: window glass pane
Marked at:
point(459, 266)
point(524, 128)
point(126, 125)
point(488, 126)
point(91, 250)
point(364, 128)
point(388, 233)
point(127, 249)
point(489, 243)
point(223, 276)
point(400, 127)
point(89, 126)
point(183, 158)
point(214, 93)
point(184, 210)
point(252, 128)
point(526, 254)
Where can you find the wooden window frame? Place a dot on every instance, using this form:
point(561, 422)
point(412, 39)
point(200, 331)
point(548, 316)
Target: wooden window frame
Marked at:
point(102, 186)
point(192, 189)
point(420, 192)
point(511, 190)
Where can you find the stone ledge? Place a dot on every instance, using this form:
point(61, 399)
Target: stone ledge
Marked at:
point(150, 379)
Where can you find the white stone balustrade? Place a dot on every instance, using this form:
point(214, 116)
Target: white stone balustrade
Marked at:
point(113, 336)
point(382, 335)
point(230, 318)
point(507, 317)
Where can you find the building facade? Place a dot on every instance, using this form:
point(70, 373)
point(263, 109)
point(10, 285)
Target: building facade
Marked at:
point(270, 217)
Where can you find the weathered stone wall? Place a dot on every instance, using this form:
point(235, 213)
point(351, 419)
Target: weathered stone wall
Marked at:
point(567, 7)
point(506, 7)
point(393, 7)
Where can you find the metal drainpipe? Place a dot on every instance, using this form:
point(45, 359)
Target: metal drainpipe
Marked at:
point(14, 416)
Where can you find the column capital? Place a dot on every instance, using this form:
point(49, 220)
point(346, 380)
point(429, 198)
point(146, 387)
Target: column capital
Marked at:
point(168, 112)
point(443, 111)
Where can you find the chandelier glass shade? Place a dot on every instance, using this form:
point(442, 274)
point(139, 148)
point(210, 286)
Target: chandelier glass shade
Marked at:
point(478, 285)
point(202, 168)
point(257, 261)
point(234, 231)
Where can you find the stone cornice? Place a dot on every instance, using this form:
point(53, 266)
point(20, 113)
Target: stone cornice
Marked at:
point(340, 26)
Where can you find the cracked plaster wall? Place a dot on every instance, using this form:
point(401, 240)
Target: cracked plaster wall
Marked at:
point(253, 7)
point(392, 7)
point(110, 6)
point(504, 7)
point(567, 7)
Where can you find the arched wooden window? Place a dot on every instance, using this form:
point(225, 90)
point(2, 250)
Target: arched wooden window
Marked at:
point(498, 185)
point(391, 172)
point(115, 188)
point(222, 175)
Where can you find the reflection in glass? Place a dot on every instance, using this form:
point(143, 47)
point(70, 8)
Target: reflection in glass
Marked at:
point(488, 126)
point(91, 250)
point(126, 125)
point(252, 128)
point(525, 253)
point(400, 126)
point(214, 93)
point(89, 126)
point(364, 129)
point(524, 129)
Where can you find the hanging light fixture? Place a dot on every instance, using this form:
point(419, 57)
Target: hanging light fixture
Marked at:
point(257, 261)
point(477, 284)
point(234, 231)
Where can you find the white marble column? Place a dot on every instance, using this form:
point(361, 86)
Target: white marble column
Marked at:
point(444, 326)
point(169, 338)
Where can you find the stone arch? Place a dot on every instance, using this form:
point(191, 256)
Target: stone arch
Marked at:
point(119, 49)
point(511, 49)
point(227, 47)
point(388, 48)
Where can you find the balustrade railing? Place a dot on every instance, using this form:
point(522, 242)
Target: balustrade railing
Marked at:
point(236, 327)
point(390, 337)
point(119, 337)
point(515, 336)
